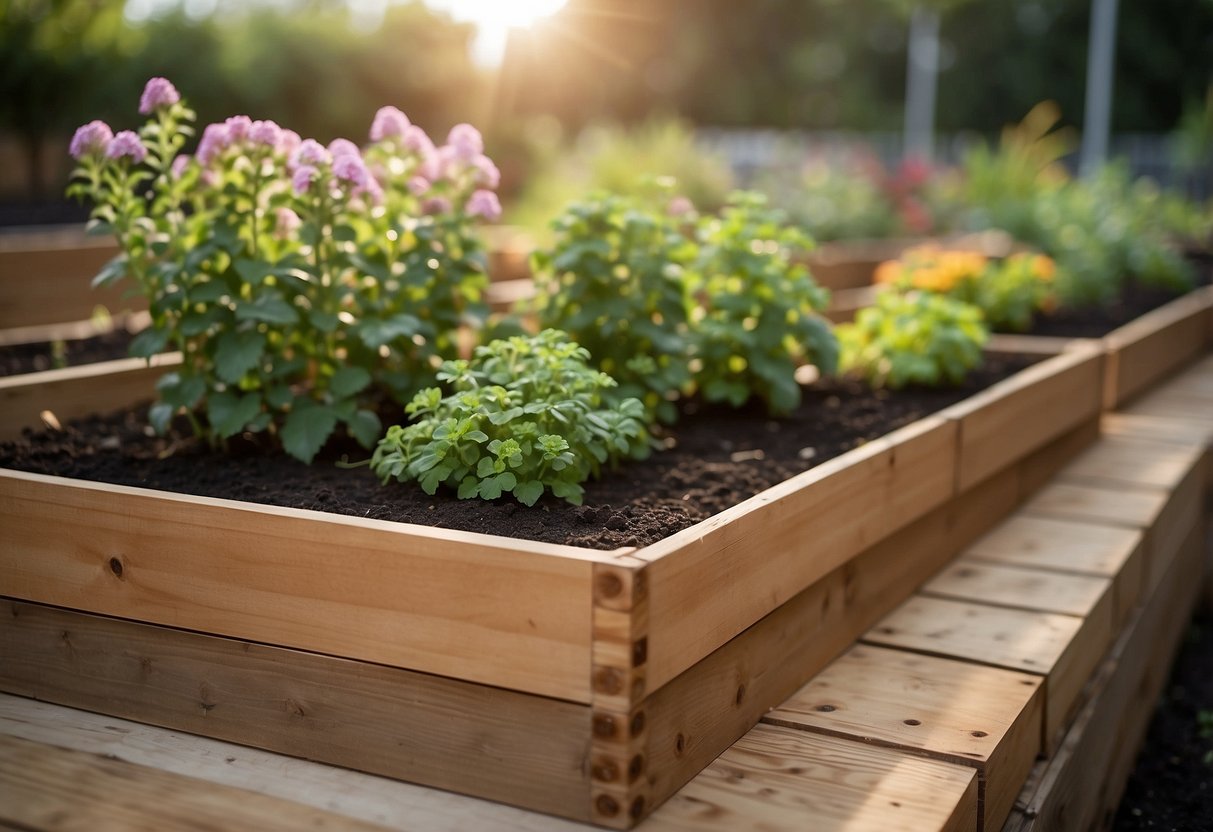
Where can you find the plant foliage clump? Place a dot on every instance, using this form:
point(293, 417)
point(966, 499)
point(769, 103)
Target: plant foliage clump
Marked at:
point(525, 415)
point(917, 338)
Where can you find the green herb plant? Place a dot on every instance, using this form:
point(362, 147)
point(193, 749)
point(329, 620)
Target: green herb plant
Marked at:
point(525, 415)
point(913, 338)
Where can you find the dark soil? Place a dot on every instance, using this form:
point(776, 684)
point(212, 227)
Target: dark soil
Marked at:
point(33, 358)
point(719, 457)
point(1098, 321)
point(1171, 787)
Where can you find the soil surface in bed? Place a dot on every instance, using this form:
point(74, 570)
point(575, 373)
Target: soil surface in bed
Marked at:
point(34, 358)
point(718, 458)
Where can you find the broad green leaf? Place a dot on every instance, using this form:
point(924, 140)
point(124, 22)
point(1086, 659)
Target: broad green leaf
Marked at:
point(528, 493)
point(228, 412)
point(365, 427)
point(306, 430)
point(110, 272)
point(237, 353)
point(253, 272)
point(268, 307)
point(180, 391)
point(349, 380)
point(149, 342)
point(376, 333)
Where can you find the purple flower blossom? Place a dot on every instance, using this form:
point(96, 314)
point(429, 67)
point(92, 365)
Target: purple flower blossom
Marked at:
point(487, 174)
point(215, 139)
point(310, 153)
point(303, 178)
point(680, 206)
point(483, 204)
point(416, 140)
point(436, 205)
point(466, 142)
point(351, 169)
point(344, 147)
point(179, 165)
point(158, 93)
point(389, 123)
point(286, 223)
point(265, 133)
point(126, 144)
point(237, 128)
point(418, 185)
point(90, 139)
point(289, 142)
point(372, 191)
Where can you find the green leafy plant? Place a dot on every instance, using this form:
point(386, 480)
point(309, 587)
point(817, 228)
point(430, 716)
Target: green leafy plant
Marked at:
point(913, 338)
point(615, 280)
point(297, 280)
point(757, 317)
point(525, 415)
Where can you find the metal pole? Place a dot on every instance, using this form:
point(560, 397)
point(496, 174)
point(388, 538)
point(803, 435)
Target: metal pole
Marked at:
point(1097, 117)
point(922, 79)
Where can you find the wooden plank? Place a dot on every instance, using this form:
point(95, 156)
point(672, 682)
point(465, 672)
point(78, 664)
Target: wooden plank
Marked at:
point(1072, 547)
point(1039, 467)
point(969, 579)
point(1183, 510)
point(1028, 344)
point(778, 779)
point(1105, 736)
point(1137, 461)
point(1160, 428)
point(1005, 422)
point(50, 284)
point(72, 330)
point(783, 540)
point(346, 792)
point(1127, 507)
point(60, 790)
point(487, 609)
point(968, 714)
point(1142, 352)
point(1062, 648)
point(73, 392)
point(506, 746)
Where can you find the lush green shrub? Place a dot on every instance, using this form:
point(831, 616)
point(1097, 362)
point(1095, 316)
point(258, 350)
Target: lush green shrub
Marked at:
point(525, 415)
point(913, 338)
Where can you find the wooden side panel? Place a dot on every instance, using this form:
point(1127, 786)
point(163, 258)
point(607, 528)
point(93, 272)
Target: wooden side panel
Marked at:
point(781, 541)
point(512, 747)
point(1014, 417)
point(963, 713)
point(78, 391)
point(781, 780)
point(475, 607)
point(53, 284)
point(59, 790)
point(1183, 510)
point(1144, 351)
point(1040, 466)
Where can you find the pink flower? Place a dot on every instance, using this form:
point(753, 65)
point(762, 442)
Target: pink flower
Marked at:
point(265, 133)
point(680, 206)
point(344, 147)
point(237, 128)
point(418, 185)
point(372, 191)
point(179, 165)
point(215, 139)
point(483, 204)
point(466, 142)
point(436, 205)
point(303, 177)
point(286, 223)
point(310, 153)
point(417, 141)
point(351, 169)
point(289, 142)
point(487, 174)
point(157, 94)
point(90, 139)
point(126, 144)
point(389, 123)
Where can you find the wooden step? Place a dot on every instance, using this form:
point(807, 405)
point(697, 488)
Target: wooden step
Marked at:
point(970, 579)
point(962, 713)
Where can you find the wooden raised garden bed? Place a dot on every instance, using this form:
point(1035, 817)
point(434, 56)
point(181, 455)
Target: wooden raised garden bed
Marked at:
point(582, 683)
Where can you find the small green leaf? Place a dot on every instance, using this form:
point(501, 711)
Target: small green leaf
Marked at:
point(468, 488)
point(149, 342)
point(228, 413)
point(365, 427)
point(110, 272)
point(270, 308)
point(181, 391)
point(252, 272)
point(349, 380)
point(306, 430)
point(528, 493)
point(159, 416)
point(237, 353)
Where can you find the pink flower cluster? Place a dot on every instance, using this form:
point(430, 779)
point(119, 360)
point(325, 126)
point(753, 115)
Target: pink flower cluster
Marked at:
point(90, 140)
point(158, 93)
point(247, 135)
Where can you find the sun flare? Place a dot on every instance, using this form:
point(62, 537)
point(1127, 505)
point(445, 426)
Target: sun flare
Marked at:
point(495, 18)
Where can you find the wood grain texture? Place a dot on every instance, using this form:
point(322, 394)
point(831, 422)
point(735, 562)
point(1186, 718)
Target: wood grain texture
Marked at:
point(364, 797)
point(476, 607)
point(969, 579)
point(1127, 507)
point(61, 790)
point(962, 713)
point(783, 780)
point(1070, 546)
point(1142, 352)
point(1062, 648)
point(48, 283)
point(781, 541)
point(506, 746)
point(1005, 422)
point(73, 392)
point(1040, 467)
point(1141, 462)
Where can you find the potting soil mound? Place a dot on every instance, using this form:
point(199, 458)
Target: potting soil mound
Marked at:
point(34, 358)
point(719, 457)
